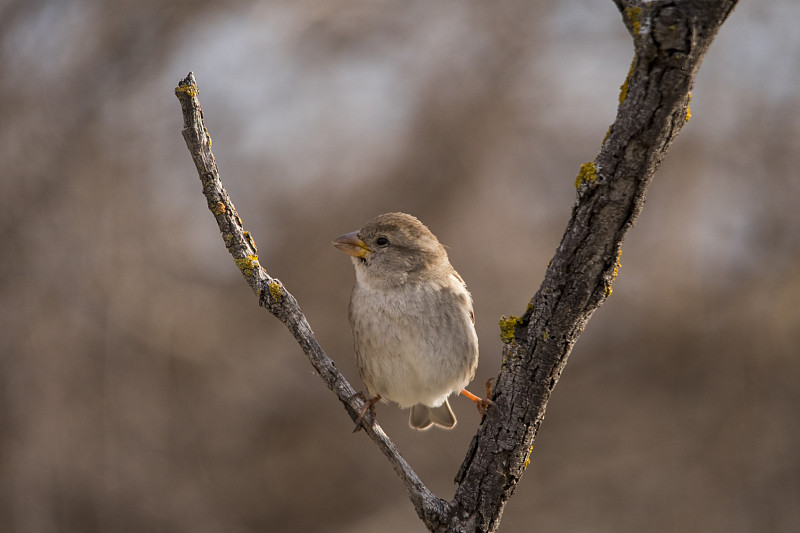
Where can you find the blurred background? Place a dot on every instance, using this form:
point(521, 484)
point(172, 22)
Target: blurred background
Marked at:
point(142, 388)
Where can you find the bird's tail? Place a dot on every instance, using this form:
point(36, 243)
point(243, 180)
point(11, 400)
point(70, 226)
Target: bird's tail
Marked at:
point(422, 417)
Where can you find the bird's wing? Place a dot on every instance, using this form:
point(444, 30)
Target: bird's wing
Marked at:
point(469, 296)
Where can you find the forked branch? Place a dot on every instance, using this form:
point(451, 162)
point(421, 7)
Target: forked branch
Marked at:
point(670, 39)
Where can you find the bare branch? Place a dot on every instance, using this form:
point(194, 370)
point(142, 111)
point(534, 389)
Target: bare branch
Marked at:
point(274, 296)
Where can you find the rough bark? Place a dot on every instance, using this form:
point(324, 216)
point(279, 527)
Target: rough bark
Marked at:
point(670, 39)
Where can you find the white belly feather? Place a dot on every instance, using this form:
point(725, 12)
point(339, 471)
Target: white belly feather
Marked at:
point(412, 356)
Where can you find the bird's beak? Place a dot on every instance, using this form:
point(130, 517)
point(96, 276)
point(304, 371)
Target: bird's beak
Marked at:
point(351, 244)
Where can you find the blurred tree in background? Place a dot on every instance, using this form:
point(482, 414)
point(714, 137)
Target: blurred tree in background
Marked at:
point(123, 409)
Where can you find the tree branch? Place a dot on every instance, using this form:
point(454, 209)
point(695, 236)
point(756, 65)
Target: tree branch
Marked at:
point(274, 296)
point(670, 39)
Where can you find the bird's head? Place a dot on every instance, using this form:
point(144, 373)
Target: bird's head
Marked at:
point(394, 246)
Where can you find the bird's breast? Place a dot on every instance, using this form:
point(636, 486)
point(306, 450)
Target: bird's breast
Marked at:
point(414, 343)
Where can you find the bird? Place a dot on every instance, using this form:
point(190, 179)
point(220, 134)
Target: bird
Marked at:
point(412, 320)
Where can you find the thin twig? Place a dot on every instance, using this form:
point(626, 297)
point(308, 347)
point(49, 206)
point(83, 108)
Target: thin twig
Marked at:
point(274, 296)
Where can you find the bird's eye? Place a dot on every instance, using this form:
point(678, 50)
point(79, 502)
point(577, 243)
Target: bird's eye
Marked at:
point(382, 241)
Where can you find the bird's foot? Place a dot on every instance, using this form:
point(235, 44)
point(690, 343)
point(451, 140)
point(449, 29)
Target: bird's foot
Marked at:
point(481, 403)
point(490, 386)
point(369, 406)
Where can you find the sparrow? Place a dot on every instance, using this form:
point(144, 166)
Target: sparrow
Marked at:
point(412, 320)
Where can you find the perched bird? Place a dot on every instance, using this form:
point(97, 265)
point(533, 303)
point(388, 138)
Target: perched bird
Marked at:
point(412, 320)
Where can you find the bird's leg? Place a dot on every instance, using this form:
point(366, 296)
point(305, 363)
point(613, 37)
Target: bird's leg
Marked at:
point(369, 405)
point(480, 403)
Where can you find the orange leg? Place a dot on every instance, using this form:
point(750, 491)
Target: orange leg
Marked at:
point(479, 402)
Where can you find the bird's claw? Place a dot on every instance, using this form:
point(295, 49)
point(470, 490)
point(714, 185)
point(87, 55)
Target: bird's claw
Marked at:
point(490, 386)
point(369, 406)
point(481, 403)
point(490, 383)
point(484, 404)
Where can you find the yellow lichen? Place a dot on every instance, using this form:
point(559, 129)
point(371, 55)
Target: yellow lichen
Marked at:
point(189, 89)
point(623, 89)
point(208, 136)
point(586, 175)
point(617, 266)
point(545, 334)
point(528, 457)
point(529, 308)
point(633, 14)
point(275, 290)
point(608, 134)
point(508, 327)
point(688, 108)
point(219, 208)
point(247, 264)
point(250, 241)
